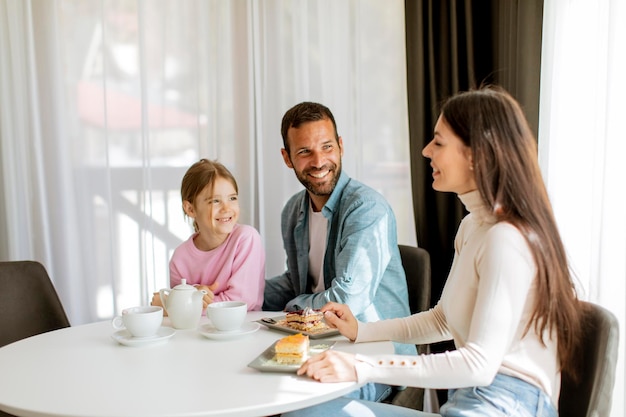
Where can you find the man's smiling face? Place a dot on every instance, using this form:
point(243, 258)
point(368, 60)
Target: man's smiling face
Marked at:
point(315, 156)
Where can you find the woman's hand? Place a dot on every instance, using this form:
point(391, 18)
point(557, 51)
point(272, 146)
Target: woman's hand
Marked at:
point(209, 296)
point(330, 366)
point(340, 317)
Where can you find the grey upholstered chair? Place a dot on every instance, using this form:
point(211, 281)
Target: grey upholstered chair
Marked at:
point(29, 304)
point(591, 396)
point(416, 263)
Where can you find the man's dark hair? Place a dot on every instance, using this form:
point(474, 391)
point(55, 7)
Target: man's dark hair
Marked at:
point(304, 112)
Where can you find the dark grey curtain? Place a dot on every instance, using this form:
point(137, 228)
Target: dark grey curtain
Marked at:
point(452, 46)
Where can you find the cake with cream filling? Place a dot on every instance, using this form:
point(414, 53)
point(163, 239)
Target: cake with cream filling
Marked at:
point(292, 350)
point(305, 320)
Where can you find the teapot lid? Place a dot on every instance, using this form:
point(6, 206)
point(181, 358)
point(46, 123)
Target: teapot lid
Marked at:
point(184, 286)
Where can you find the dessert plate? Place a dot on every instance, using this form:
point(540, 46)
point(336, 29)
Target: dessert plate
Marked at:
point(124, 337)
point(265, 361)
point(280, 323)
point(207, 330)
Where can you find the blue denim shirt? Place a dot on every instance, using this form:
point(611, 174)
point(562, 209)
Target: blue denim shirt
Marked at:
point(362, 265)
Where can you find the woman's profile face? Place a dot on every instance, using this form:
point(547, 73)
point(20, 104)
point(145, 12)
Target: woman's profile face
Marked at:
point(451, 161)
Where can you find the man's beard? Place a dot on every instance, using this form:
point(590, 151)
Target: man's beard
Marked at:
point(327, 187)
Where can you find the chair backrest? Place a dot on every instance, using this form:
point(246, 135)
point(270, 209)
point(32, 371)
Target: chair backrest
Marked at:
point(591, 396)
point(416, 263)
point(29, 304)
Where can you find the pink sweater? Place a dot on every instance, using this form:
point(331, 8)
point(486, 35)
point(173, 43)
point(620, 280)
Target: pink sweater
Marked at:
point(238, 265)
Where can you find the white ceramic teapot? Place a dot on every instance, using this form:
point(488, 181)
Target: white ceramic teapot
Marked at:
point(183, 304)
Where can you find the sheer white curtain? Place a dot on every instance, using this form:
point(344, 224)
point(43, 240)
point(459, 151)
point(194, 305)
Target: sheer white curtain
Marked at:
point(106, 103)
point(583, 145)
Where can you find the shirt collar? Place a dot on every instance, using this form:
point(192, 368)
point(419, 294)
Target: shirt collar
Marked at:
point(474, 203)
point(335, 196)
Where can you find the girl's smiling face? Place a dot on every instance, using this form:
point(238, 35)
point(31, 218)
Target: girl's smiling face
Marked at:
point(216, 211)
point(451, 161)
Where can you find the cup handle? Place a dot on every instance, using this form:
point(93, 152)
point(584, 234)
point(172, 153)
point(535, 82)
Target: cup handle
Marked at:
point(117, 323)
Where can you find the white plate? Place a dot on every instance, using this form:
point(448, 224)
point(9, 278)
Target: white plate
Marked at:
point(280, 323)
point(265, 362)
point(124, 337)
point(207, 330)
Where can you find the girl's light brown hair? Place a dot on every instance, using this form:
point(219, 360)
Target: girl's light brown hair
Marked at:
point(200, 175)
point(508, 177)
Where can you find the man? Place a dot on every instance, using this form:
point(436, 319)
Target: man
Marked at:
point(339, 234)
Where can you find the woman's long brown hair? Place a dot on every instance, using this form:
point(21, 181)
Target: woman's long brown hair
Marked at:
point(508, 177)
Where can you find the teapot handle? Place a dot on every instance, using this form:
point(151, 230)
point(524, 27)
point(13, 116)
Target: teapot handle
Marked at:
point(163, 293)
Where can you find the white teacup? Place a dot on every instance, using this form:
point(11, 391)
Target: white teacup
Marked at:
point(227, 316)
point(143, 321)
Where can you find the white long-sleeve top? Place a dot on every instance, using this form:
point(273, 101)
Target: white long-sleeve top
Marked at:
point(485, 307)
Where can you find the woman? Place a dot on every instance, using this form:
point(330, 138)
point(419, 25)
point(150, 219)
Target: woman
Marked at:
point(509, 302)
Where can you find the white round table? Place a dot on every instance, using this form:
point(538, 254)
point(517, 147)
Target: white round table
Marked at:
point(82, 371)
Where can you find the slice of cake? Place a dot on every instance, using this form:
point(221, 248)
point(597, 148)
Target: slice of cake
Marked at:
point(292, 350)
point(305, 320)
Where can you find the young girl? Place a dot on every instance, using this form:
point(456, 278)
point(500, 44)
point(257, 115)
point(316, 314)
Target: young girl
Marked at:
point(509, 301)
point(222, 257)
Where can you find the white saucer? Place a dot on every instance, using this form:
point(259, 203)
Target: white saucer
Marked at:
point(207, 330)
point(163, 334)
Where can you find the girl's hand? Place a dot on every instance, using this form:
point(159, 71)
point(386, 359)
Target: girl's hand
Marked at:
point(330, 366)
point(340, 317)
point(156, 300)
point(209, 296)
